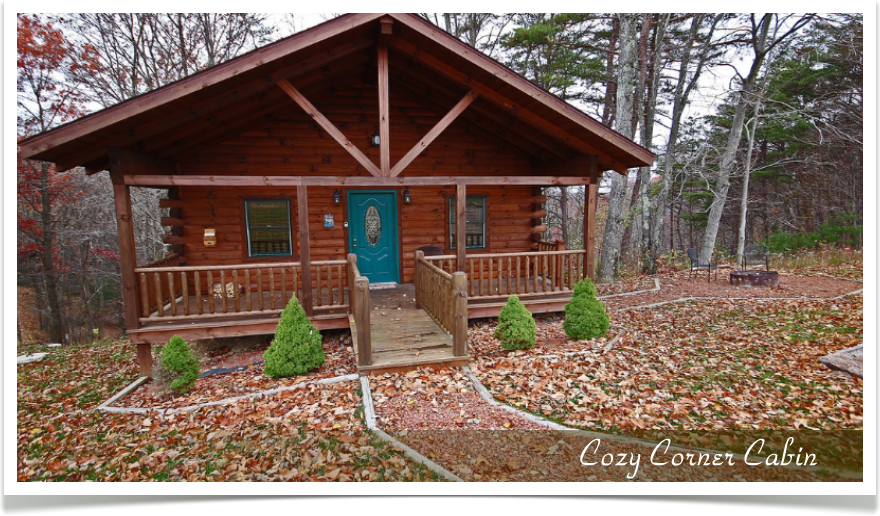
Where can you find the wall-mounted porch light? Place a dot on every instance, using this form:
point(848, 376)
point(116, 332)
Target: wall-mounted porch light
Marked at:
point(406, 197)
point(375, 141)
point(337, 196)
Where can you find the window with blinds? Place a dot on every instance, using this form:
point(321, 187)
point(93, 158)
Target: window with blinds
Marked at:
point(475, 233)
point(268, 227)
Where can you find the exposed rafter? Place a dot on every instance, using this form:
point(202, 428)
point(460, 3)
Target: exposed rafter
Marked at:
point(434, 133)
point(328, 126)
point(504, 102)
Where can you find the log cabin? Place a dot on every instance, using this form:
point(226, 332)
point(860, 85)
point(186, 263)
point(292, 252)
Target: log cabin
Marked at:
point(335, 166)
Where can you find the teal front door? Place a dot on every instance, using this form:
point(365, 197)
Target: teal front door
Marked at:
point(372, 234)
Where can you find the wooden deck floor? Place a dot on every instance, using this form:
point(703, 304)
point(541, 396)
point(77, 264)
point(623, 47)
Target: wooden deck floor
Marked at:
point(404, 339)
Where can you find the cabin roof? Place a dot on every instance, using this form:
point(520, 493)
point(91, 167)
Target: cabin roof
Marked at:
point(172, 121)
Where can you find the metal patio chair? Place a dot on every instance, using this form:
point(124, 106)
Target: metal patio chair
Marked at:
point(696, 265)
point(756, 255)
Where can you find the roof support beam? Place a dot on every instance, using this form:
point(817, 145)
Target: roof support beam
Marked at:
point(384, 120)
point(164, 181)
point(434, 133)
point(328, 126)
point(130, 162)
point(430, 92)
point(500, 100)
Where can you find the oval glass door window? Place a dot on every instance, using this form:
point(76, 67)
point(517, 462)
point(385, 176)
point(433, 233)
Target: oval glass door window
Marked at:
point(373, 226)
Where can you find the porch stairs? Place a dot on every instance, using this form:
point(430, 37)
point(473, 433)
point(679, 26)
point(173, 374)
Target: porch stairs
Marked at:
point(403, 340)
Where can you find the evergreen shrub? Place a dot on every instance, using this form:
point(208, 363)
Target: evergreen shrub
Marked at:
point(296, 348)
point(516, 327)
point(585, 316)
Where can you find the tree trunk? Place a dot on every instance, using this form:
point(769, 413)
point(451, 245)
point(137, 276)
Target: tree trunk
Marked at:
point(623, 124)
point(722, 184)
point(683, 88)
point(648, 243)
point(53, 308)
point(563, 208)
point(611, 89)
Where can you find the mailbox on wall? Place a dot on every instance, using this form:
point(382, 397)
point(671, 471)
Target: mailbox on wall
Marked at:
point(210, 237)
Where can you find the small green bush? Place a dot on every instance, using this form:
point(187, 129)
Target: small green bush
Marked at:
point(516, 327)
point(181, 363)
point(296, 348)
point(585, 316)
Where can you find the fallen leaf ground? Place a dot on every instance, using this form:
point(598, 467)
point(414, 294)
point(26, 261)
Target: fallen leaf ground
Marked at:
point(61, 437)
point(681, 368)
point(339, 361)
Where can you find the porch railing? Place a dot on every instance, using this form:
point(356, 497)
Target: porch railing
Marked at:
point(359, 301)
point(158, 294)
point(444, 297)
point(533, 274)
point(173, 293)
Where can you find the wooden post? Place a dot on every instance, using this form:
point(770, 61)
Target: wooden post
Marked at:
point(460, 226)
point(127, 260)
point(384, 119)
point(352, 265)
point(305, 254)
point(362, 319)
point(460, 314)
point(560, 262)
point(591, 191)
point(145, 360)
point(420, 255)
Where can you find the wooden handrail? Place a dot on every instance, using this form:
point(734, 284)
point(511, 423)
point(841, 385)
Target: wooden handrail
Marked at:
point(158, 292)
point(192, 292)
point(256, 265)
point(532, 274)
point(443, 296)
point(359, 307)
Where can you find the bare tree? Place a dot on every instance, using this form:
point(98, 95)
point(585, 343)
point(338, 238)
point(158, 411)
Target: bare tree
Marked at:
point(685, 84)
point(761, 43)
point(480, 30)
point(626, 83)
point(140, 52)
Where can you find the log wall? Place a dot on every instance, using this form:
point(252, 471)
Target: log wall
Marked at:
point(293, 144)
point(423, 222)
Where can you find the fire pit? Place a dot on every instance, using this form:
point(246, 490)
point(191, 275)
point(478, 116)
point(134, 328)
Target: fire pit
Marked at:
point(754, 278)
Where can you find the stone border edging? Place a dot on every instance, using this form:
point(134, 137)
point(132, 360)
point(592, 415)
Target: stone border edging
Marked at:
point(704, 298)
point(608, 347)
point(130, 387)
point(835, 277)
point(370, 417)
point(655, 289)
point(487, 396)
point(139, 410)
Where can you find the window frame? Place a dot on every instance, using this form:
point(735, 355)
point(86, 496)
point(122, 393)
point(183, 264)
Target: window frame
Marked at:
point(485, 223)
point(247, 230)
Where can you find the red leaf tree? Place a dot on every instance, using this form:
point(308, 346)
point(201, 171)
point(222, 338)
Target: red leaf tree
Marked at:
point(44, 101)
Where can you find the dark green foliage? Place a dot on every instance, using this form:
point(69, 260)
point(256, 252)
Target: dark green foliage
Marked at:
point(842, 231)
point(296, 348)
point(181, 363)
point(516, 327)
point(585, 316)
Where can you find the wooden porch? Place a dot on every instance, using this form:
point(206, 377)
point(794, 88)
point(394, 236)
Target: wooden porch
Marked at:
point(413, 324)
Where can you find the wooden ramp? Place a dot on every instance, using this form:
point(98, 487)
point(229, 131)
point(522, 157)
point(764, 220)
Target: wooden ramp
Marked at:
point(405, 339)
